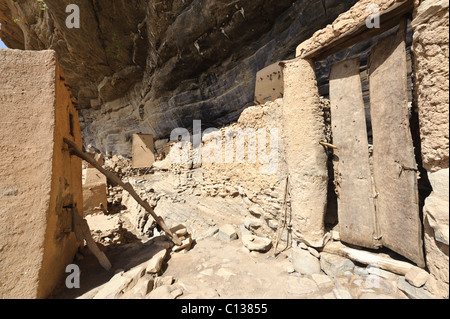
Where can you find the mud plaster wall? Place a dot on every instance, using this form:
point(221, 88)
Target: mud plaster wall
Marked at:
point(143, 150)
point(36, 177)
point(431, 56)
point(431, 93)
point(262, 190)
point(304, 128)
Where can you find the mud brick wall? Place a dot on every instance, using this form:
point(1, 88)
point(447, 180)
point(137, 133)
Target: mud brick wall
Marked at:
point(431, 55)
point(39, 181)
point(431, 93)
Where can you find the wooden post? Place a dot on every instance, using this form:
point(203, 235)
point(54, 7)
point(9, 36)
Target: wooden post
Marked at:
point(115, 180)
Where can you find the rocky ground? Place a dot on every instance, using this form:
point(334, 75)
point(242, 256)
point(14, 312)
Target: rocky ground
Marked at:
point(222, 257)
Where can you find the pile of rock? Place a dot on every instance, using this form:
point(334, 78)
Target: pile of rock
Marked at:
point(143, 281)
point(341, 278)
point(250, 241)
point(139, 217)
point(122, 167)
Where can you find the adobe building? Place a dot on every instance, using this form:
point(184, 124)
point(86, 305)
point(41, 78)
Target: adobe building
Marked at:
point(269, 84)
point(143, 150)
point(94, 192)
point(381, 182)
point(40, 183)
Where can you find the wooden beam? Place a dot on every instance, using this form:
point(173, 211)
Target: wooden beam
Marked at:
point(388, 19)
point(368, 258)
point(114, 180)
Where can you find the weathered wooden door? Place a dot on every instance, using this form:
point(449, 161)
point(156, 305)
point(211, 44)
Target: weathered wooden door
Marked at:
point(378, 196)
point(353, 178)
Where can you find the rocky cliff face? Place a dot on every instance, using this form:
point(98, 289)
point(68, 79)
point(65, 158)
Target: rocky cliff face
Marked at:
point(151, 66)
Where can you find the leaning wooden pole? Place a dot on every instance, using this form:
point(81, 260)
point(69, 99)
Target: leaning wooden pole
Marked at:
point(115, 180)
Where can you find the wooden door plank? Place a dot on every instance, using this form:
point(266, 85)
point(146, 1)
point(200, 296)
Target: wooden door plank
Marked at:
point(356, 210)
point(395, 166)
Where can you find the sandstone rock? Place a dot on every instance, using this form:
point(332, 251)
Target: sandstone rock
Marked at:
point(155, 264)
point(143, 287)
point(120, 283)
point(162, 292)
point(177, 293)
point(362, 272)
point(186, 244)
point(290, 269)
point(305, 263)
point(163, 165)
point(226, 273)
point(314, 252)
point(335, 235)
point(207, 272)
point(436, 228)
point(438, 288)
point(209, 233)
point(251, 222)
point(256, 211)
point(440, 183)
point(163, 281)
point(322, 281)
point(411, 291)
point(334, 265)
point(437, 214)
point(244, 230)
point(417, 277)
point(227, 233)
point(301, 286)
point(255, 243)
point(379, 283)
point(372, 270)
point(342, 294)
point(273, 224)
point(371, 295)
point(114, 288)
point(303, 246)
point(179, 230)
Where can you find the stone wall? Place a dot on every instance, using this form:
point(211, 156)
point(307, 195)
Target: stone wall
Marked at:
point(40, 182)
point(431, 55)
point(431, 93)
point(260, 182)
